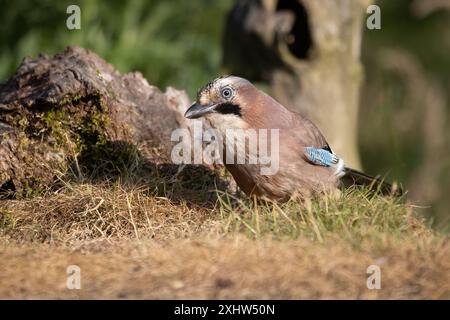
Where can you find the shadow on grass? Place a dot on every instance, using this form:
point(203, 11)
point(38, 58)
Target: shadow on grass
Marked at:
point(122, 162)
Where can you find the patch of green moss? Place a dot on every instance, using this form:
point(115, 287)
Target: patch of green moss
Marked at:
point(80, 125)
point(81, 121)
point(33, 187)
point(6, 220)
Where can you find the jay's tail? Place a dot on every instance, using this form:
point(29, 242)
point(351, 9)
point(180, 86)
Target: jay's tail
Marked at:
point(355, 177)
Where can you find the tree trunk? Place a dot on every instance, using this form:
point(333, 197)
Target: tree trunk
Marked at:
point(309, 53)
point(75, 108)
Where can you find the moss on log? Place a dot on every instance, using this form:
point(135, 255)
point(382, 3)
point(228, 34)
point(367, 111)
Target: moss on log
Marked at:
point(74, 108)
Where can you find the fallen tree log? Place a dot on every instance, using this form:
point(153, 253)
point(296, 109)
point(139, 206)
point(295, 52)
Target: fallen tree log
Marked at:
point(75, 108)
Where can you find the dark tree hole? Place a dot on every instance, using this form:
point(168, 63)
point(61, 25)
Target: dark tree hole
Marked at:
point(299, 37)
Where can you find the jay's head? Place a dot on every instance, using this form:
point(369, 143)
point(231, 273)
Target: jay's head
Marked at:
point(231, 102)
point(224, 100)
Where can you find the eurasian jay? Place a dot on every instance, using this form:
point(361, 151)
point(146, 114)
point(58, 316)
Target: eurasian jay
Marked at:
point(307, 164)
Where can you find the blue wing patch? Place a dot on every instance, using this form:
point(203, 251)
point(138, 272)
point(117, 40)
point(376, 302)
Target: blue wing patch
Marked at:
point(320, 157)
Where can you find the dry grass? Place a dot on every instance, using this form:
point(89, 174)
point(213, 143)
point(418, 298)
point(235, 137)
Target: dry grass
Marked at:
point(179, 235)
point(220, 268)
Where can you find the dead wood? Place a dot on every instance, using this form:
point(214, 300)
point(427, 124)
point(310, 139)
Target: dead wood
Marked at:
point(76, 108)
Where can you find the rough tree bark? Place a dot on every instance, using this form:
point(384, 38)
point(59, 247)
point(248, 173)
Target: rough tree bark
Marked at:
point(308, 51)
point(75, 106)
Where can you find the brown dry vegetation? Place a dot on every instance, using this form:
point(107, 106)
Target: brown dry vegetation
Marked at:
point(149, 234)
point(214, 268)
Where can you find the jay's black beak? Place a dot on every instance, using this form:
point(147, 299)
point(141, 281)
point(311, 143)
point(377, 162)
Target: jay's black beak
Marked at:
point(197, 110)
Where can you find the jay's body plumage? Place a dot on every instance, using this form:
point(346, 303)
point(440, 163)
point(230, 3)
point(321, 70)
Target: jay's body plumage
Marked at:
point(307, 164)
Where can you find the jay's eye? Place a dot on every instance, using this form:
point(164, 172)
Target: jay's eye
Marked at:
point(226, 93)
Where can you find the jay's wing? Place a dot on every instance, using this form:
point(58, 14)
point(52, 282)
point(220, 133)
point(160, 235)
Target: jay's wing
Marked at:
point(313, 146)
point(316, 147)
point(321, 157)
point(313, 134)
point(318, 152)
point(326, 158)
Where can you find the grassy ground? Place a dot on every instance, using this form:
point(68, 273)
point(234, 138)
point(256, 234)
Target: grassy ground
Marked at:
point(162, 234)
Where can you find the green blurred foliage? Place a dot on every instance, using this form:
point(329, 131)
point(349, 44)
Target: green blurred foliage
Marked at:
point(175, 43)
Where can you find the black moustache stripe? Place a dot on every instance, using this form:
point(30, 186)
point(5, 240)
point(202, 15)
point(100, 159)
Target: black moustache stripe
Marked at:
point(228, 108)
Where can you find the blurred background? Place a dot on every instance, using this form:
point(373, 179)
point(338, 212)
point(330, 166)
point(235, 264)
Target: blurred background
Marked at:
point(404, 106)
